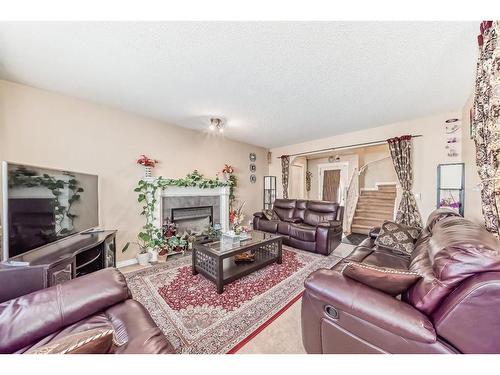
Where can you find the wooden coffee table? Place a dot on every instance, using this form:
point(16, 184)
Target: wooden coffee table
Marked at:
point(215, 260)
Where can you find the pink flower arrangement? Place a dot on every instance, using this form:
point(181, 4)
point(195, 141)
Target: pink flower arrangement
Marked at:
point(227, 169)
point(147, 162)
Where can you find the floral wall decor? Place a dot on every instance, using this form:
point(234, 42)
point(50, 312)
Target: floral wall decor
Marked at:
point(308, 180)
point(486, 122)
point(285, 171)
point(401, 154)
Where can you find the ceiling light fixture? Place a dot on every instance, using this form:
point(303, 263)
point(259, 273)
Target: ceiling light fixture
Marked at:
point(216, 124)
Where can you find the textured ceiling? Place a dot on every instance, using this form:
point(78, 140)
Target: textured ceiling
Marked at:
point(274, 83)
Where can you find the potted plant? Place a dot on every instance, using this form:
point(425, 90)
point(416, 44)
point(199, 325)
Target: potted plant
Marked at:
point(149, 246)
point(143, 254)
point(150, 239)
point(177, 243)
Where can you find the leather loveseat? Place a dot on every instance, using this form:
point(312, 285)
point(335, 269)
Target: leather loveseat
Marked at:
point(314, 226)
point(453, 308)
point(98, 300)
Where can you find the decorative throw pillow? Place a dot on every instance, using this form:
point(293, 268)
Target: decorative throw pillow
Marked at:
point(270, 215)
point(93, 341)
point(397, 237)
point(389, 280)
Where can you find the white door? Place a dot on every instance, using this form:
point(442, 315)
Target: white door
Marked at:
point(296, 182)
point(344, 175)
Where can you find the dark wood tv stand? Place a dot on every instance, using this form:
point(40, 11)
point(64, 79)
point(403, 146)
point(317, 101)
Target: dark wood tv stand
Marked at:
point(55, 263)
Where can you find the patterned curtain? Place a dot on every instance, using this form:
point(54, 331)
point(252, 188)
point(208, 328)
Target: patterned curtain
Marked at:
point(285, 172)
point(486, 122)
point(400, 149)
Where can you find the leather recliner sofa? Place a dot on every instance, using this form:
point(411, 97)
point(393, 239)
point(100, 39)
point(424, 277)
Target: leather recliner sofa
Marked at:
point(314, 226)
point(453, 308)
point(98, 300)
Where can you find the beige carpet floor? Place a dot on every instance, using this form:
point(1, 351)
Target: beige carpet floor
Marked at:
point(283, 335)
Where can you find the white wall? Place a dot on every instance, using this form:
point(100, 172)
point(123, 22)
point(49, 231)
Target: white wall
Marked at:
point(428, 152)
point(313, 164)
point(48, 129)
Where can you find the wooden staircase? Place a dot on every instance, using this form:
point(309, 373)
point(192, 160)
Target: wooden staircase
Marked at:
point(373, 208)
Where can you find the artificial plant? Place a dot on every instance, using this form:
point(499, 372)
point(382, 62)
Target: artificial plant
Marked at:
point(150, 237)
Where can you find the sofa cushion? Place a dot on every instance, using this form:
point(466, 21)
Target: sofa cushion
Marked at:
point(300, 209)
point(22, 324)
point(392, 281)
point(284, 208)
point(398, 237)
point(382, 257)
point(303, 232)
point(299, 244)
point(270, 226)
point(284, 227)
point(270, 215)
point(454, 250)
point(319, 211)
point(134, 326)
point(94, 341)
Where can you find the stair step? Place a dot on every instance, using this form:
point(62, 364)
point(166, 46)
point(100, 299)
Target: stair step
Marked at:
point(361, 229)
point(370, 221)
point(375, 204)
point(387, 187)
point(378, 194)
point(375, 214)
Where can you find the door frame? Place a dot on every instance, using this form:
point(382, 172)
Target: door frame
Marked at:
point(343, 166)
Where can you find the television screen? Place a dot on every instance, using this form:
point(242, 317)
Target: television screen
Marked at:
point(43, 205)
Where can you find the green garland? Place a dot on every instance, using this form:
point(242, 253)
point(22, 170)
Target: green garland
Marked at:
point(196, 179)
point(193, 179)
point(151, 236)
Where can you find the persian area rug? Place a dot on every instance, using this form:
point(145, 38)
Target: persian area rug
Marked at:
point(196, 319)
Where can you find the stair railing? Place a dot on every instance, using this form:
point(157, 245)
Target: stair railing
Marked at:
point(352, 194)
point(363, 168)
point(351, 200)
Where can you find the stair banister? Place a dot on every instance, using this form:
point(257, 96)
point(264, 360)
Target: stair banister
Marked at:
point(351, 200)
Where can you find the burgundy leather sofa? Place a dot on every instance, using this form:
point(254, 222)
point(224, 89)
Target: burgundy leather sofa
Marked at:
point(314, 226)
point(453, 308)
point(98, 300)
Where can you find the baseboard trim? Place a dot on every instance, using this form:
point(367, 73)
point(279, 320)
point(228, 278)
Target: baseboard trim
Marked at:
point(125, 263)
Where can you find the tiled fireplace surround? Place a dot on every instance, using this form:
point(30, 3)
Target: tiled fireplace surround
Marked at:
point(192, 197)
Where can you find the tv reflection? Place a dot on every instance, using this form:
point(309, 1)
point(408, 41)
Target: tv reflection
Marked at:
point(43, 206)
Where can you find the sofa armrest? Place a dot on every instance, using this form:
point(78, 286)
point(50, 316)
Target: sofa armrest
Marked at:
point(260, 215)
point(374, 232)
point(371, 305)
point(25, 320)
point(330, 224)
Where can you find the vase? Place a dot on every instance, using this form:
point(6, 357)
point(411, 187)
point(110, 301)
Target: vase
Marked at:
point(154, 255)
point(147, 172)
point(143, 259)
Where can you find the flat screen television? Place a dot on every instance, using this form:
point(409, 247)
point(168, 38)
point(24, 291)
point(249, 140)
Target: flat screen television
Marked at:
point(43, 205)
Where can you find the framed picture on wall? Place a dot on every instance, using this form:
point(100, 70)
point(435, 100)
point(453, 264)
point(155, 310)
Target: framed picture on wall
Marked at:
point(451, 186)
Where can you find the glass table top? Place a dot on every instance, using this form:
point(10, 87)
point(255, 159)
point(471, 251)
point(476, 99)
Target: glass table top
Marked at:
point(228, 244)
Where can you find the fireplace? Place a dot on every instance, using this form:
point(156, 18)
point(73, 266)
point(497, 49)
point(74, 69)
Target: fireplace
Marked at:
point(193, 208)
point(192, 219)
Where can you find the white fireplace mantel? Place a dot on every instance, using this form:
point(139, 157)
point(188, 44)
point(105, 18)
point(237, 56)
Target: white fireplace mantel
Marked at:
point(176, 191)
